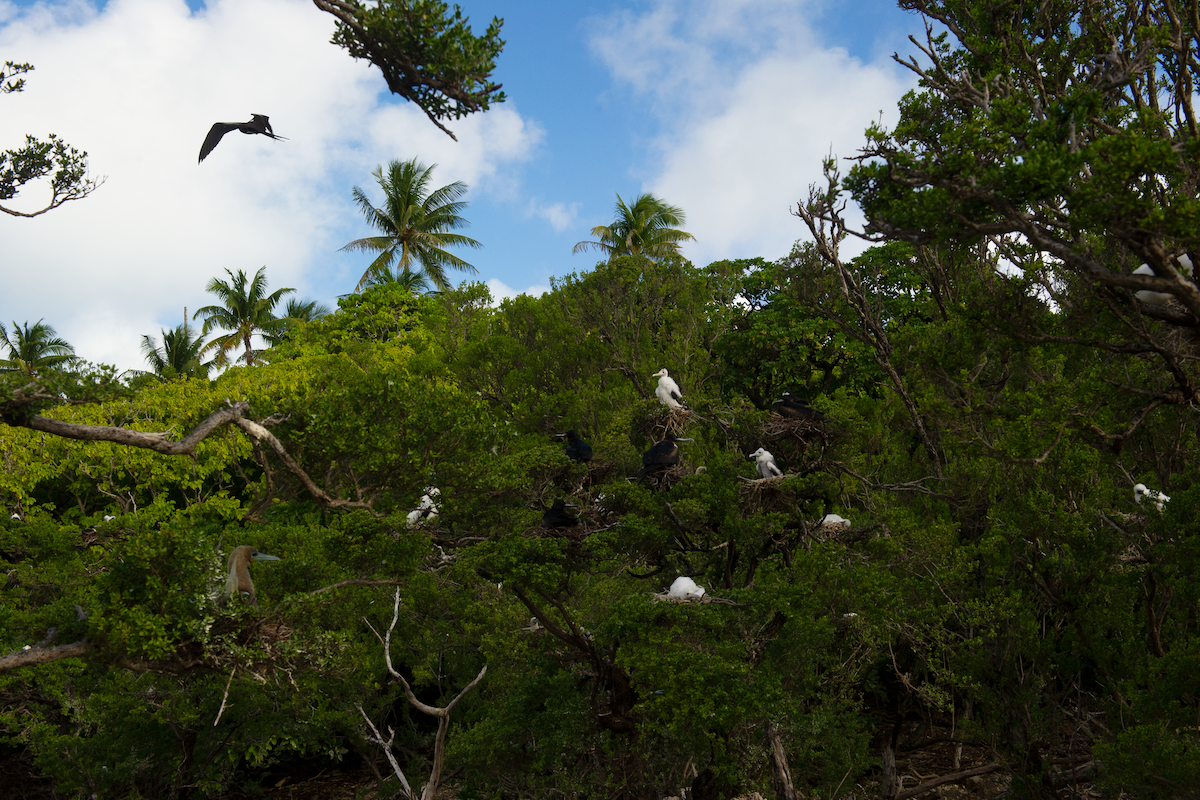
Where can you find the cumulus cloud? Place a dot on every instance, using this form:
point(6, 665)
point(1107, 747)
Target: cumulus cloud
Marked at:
point(137, 84)
point(750, 103)
point(561, 216)
point(502, 291)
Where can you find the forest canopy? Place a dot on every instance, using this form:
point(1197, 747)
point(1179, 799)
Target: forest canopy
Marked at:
point(954, 582)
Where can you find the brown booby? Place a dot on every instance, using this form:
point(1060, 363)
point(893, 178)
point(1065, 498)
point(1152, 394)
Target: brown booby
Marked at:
point(239, 582)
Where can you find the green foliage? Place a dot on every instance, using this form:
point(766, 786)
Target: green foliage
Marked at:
point(66, 166)
point(646, 227)
point(1000, 587)
point(33, 349)
point(243, 312)
point(415, 225)
point(426, 55)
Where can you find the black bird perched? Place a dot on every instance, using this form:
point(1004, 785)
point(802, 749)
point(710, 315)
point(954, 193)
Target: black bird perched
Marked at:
point(577, 449)
point(791, 408)
point(662, 455)
point(557, 515)
point(258, 124)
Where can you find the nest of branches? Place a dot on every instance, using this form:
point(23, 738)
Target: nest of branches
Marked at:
point(769, 494)
point(666, 420)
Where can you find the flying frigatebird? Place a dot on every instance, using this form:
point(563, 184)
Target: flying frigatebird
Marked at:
point(258, 124)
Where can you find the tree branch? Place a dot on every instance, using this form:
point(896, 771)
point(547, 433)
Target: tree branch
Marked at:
point(43, 653)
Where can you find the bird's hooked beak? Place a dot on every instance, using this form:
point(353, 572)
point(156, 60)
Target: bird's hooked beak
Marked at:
point(257, 556)
point(659, 374)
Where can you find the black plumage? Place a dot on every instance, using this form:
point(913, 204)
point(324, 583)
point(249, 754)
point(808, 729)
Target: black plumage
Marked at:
point(791, 408)
point(557, 516)
point(577, 449)
point(661, 456)
point(259, 123)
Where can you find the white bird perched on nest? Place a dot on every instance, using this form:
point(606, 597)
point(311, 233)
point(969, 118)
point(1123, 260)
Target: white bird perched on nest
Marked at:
point(427, 509)
point(1158, 498)
point(767, 468)
point(684, 589)
point(834, 521)
point(1161, 298)
point(668, 391)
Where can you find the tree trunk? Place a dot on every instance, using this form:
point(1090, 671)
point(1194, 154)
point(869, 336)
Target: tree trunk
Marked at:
point(781, 773)
point(887, 780)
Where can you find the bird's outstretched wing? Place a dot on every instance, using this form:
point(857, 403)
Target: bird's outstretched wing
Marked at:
point(215, 133)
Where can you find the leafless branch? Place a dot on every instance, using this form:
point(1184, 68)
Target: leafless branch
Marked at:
point(42, 652)
point(442, 714)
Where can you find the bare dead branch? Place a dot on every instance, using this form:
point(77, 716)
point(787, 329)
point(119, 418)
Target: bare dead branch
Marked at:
point(156, 441)
point(387, 749)
point(955, 777)
point(42, 652)
point(225, 697)
point(442, 714)
point(159, 442)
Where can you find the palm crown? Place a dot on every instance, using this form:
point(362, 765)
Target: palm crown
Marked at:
point(647, 227)
point(415, 225)
point(245, 311)
point(180, 353)
point(32, 348)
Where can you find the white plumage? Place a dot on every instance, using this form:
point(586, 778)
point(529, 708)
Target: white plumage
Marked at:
point(427, 509)
point(1158, 498)
point(1161, 298)
point(685, 589)
point(834, 521)
point(767, 468)
point(668, 392)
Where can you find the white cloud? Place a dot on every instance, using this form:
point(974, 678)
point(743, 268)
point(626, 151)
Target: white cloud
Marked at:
point(501, 291)
point(137, 85)
point(750, 104)
point(561, 216)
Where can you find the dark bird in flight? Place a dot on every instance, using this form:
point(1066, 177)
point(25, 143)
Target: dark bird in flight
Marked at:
point(577, 449)
point(557, 515)
point(258, 124)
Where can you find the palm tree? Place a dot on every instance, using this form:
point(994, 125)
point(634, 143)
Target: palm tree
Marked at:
point(32, 348)
point(296, 311)
point(416, 282)
point(414, 224)
point(244, 312)
point(647, 228)
point(179, 355)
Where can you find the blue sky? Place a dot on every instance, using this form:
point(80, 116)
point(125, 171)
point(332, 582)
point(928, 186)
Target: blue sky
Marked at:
point(724, 108)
